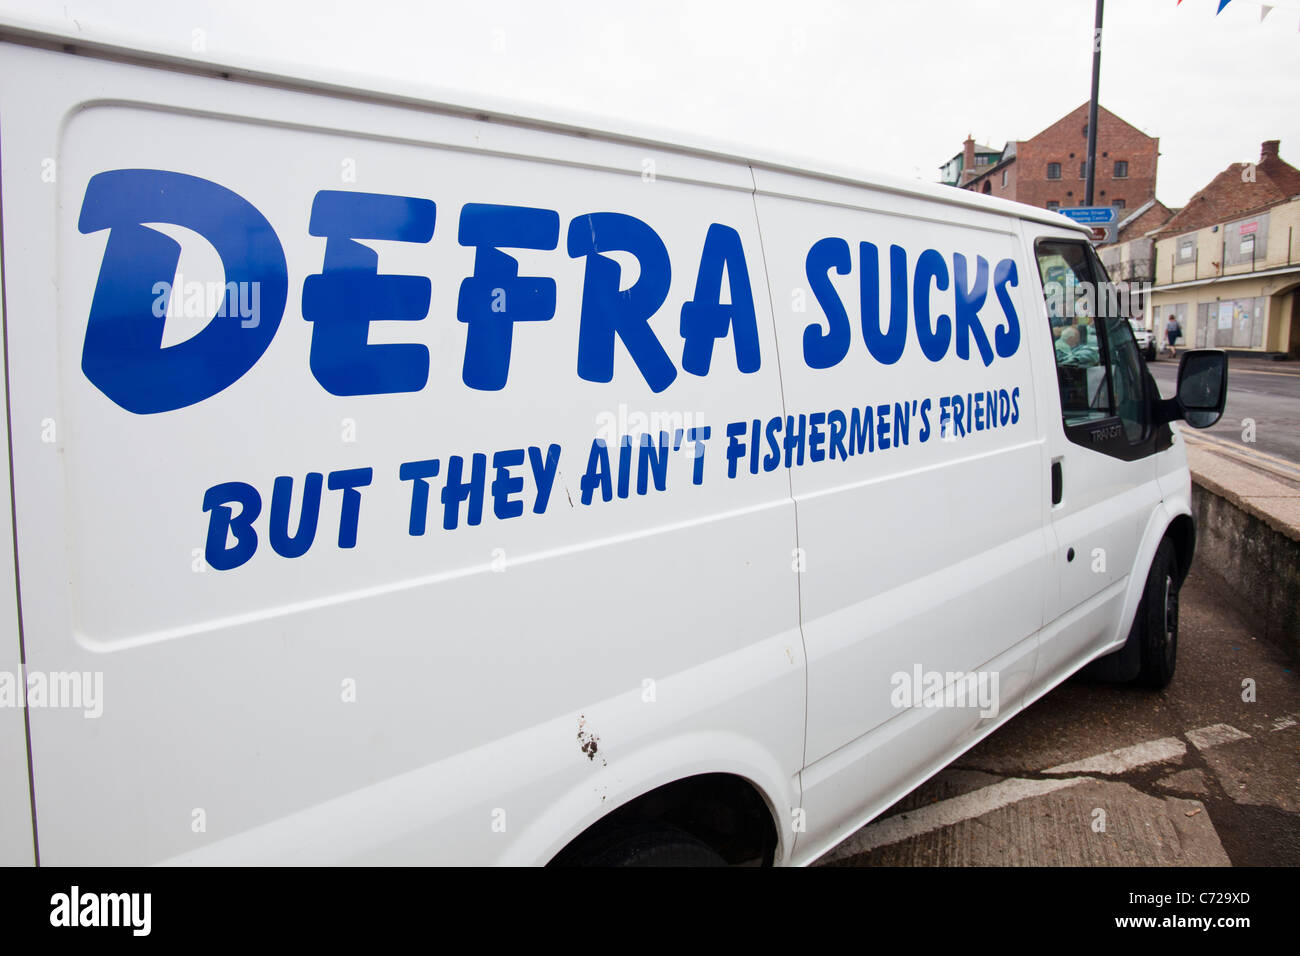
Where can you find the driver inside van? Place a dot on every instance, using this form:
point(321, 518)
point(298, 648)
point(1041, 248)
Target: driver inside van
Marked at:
point(1072, 348)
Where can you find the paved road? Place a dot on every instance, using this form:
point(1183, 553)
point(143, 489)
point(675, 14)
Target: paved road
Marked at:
point(1193, 775)
point(1267, 393)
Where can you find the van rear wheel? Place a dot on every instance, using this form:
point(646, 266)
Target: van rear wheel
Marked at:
point(648, 845)
point(1158, 614)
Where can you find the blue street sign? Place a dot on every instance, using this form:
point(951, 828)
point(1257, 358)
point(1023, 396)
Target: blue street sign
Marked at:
point(1091, 215)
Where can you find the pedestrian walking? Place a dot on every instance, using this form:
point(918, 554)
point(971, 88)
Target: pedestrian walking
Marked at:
point(1173, 331)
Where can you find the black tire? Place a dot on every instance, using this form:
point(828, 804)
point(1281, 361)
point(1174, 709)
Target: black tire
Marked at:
point(1157, 617)
point(1151, 353)
point(648, 845)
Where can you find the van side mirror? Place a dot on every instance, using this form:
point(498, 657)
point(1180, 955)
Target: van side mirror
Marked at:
point(1202, 389)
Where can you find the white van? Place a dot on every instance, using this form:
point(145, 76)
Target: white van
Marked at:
point(397, 482)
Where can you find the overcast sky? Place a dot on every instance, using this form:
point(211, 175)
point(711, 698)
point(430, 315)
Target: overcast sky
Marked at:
point(890, 86)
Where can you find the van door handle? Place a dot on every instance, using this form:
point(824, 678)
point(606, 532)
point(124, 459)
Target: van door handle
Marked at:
point(1058, 483)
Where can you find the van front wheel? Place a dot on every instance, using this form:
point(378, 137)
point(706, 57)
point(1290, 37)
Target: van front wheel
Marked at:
point(1158, 614)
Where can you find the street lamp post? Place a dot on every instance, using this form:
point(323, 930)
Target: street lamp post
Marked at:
point(1092, 106)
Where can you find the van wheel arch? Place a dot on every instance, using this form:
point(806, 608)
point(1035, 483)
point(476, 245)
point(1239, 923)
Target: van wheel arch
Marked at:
point(1135, 661)
point(687, 820)
point(1182, 534)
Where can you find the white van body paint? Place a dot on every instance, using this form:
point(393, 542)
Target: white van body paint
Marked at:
point(393, 701)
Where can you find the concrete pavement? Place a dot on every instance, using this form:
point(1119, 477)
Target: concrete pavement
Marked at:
point(1107, 775)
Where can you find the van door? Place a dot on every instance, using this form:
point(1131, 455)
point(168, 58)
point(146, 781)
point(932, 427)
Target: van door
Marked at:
point(917, 468)
point(1102, 448)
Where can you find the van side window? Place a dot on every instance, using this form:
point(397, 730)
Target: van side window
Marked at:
point(1098, 368)
point(1127, 372)
point(1071, 306)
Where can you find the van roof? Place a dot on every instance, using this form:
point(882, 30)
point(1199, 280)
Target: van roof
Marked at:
point(53, 26)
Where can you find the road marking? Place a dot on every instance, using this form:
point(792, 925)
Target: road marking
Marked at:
point(1258, 459)
point(1203, 738)
point(1232, 370)
point(968, 806)
point(1126, 758)
point(1258, 371)
point(946, 813)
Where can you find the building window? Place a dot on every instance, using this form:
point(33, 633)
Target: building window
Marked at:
point(1053, 205)
point(1246, 242)
point(1118, 203)
point(1004, 178)
point(988, 187)
point(1083, 170)
point(1053, 170)
point(1186, 248)
point(1121, 169)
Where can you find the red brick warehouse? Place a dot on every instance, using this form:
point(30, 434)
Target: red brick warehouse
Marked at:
point(1047, 170)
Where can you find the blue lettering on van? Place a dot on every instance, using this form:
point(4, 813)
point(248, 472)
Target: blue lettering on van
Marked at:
point(608, 312)
point(705, 319)
point(495, 296)
point(122, 354)
point(224, 521)
point(934, 338)
point(459, 490)
point(970, 299)
point(885, 346)
point(348, 481)
point(863, 430)
point(295, 545)
point(124, 358)
point(638, 463)
point(825, 346)
point(1006, 340)
point(418, 474)
point(349, 293)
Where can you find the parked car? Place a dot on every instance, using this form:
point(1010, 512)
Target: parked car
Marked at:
point(1146, 342)
point(418, 482)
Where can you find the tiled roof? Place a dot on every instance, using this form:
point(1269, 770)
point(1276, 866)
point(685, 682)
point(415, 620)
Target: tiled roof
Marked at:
point(1150, 215)
point(1232, 194)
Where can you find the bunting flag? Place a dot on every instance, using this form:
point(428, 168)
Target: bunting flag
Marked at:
point(1264, 8)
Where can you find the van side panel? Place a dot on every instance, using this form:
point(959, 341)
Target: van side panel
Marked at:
point(449, 679)
point(926, 550)
point(17, 846)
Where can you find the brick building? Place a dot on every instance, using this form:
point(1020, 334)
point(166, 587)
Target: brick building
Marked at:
point(969, 163)
point(1047, 170)
point(1227, 266)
